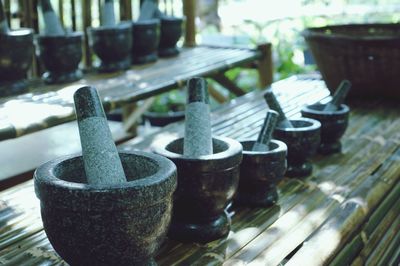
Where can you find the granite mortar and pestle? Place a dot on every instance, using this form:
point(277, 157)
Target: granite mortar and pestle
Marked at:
point(208, 173)
point(263, 166)
point(111, 42)
point(60, 52)
point(302, 137)
point(170, 32)
point(16, 53)
point(146, 34)
point(334, 118)
point(105, 207)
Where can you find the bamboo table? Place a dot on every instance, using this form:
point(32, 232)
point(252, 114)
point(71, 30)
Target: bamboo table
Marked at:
point(346, 212)
point(49, 105)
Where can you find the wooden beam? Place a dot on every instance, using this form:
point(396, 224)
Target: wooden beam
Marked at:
point(189, 10)
point(265, 65)
point(73, 15)
point(125, 10)
point(219, 97)
point(229, 84)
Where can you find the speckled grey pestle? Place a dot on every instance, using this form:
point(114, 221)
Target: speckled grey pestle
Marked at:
point(52, 24)
point(197, 140)
point(274, 105)
point(101, 160)
point(107, 13)
point(3, 20)
point(148, 10)
point(339, 96)
point(264, 137)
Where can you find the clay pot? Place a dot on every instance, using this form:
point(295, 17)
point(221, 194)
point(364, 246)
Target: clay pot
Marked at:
point(170, 33)
point(123, 224)
point(333, 125)
point(61, 56)
point(260, 171)
point(302, 142)
point(113, 45)
point(146, 37)
point(16, 53)
point(206, 186)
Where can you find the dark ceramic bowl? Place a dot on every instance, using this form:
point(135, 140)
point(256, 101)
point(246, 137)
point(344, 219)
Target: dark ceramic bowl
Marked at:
point(170, 33)
point(260, 171)
point(61, 56)
point(16, 55)
point(146, 37)
point(163, 119)
point(122, 224)
point(206, 186)
point(302, 141)
point(113, 45)
point(333, 125)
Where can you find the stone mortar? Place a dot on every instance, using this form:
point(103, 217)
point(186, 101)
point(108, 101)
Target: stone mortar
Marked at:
point(260, 171)
point(123, 224)
point(206, 186)
point(302, 142)
point(113, 46)
point(333, 125)
point(16, 51)
point(146, 37)
point(61, 56)
point(170, 33)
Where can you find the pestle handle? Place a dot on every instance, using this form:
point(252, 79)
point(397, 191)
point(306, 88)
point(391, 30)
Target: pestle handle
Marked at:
point(148, 10)
point(197, 139)
point(101, 160)
point(51, 21)
point(265, 135)
point(339, 96)
point(108, 14)
point(274, 105)
point(3, 19)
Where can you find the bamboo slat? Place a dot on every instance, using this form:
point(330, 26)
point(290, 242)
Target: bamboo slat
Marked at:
point(341, 211)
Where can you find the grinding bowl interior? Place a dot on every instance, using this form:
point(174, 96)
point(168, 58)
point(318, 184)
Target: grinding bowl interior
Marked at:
point(135, 167)
point(318, 109)
point(176, 146)
point(248, 145)
point(301, 124)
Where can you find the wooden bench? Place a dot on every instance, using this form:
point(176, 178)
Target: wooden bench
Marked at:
point(49, 105)
point(346, 212)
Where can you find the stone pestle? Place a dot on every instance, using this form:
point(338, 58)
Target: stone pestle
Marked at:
point(102, 163)
point(148, 10)
point(4, 29)
point(108, 14)
point(52, 23)
point(274, 105)
point(265, 135)
point(338, 97)
point(197, 139)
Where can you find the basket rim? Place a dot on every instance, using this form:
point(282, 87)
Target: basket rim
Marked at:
point(318, 32)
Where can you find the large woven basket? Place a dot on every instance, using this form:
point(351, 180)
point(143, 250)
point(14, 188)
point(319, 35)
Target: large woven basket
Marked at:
point(366, 54)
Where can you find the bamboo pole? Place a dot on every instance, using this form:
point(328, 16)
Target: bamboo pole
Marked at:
point(125, 8)
point(7, 11)
point(61, 12)
point(189, 10)
point(73, 15)
point(87, 22)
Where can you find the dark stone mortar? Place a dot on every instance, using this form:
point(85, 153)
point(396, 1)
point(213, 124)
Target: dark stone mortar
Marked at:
point(170, 33)
point(16, 53)
point(260, 171)
point(123, 224)
point(206, 186)
point(302, 142)
point(146, 37)
point(113, 45)
point(333, 125)
point(60, 56)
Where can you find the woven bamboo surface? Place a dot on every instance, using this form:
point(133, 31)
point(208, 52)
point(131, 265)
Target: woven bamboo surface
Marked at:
point(49, 105)
point(347, 212)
